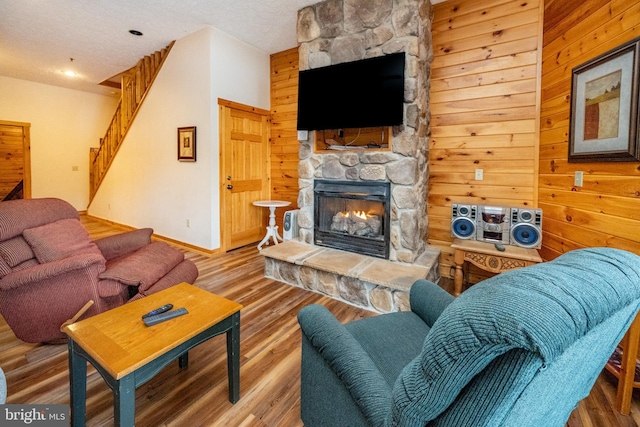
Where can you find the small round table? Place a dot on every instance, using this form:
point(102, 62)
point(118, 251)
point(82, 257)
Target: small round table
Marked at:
point(272, 228)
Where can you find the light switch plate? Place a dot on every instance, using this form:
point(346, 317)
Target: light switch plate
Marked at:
point(577, 180)
point(479, 174)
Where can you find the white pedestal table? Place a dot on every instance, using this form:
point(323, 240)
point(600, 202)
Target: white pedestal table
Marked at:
point(272, 228)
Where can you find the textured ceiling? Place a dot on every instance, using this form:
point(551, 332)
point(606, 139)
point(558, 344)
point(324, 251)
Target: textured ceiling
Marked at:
point(38, 37)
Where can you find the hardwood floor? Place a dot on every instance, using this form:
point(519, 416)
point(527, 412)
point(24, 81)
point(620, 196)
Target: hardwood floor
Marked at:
point(270, 360)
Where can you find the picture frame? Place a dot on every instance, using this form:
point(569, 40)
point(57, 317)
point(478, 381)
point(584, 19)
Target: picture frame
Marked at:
point(604, 120)
point(187, 144)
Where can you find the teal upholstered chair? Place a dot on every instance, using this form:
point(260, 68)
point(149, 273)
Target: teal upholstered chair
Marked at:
point(520, 349)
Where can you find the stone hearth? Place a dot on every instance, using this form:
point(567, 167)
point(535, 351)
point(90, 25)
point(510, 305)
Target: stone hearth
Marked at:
point(363, 281)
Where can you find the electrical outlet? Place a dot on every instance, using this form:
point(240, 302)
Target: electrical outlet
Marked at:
point(479, 174)
point(188, 223)
point(74, 168)
point(577, 180)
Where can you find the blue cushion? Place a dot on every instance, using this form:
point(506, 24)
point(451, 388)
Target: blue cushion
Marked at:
point(391, 341)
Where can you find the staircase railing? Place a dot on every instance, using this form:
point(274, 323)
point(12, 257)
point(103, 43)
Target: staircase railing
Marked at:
point(135, 85)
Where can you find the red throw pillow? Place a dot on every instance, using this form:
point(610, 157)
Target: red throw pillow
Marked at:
point(60, 239)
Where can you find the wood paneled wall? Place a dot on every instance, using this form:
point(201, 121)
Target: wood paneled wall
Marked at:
point(284, 137)
point(605, 211)
point(15, 163)
point(485, 89)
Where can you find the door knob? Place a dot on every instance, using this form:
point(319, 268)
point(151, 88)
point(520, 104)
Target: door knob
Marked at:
point(229, 187)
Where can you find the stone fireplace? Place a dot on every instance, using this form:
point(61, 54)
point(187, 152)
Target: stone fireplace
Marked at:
point(337, 31)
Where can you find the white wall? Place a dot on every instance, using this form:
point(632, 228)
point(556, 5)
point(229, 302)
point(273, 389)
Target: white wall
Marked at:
point(146, 186)
point(65, 123)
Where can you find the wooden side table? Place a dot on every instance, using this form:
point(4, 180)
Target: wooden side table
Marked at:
point(487, 257)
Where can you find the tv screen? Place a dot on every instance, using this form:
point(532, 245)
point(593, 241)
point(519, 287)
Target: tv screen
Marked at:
point(365, 93)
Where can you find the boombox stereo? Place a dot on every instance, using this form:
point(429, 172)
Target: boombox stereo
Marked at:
point(497, 224)
point(463, 221)
point(493, 224)
point(526, 228)
point(290, 226)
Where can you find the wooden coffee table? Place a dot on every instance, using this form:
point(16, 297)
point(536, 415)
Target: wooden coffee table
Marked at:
point(127, 353)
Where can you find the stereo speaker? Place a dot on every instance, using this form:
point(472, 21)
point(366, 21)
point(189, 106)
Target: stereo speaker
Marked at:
point(493, 224)
point(463, 221)
point(290, 226)
point(526, 228)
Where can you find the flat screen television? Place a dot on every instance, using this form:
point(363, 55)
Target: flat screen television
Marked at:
point(365, 93)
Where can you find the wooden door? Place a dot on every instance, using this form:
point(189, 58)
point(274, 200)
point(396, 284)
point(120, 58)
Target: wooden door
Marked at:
point(244, 173)
point(15, 160)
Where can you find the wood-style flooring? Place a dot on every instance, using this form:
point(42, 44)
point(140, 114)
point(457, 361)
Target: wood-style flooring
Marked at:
point(270, 360)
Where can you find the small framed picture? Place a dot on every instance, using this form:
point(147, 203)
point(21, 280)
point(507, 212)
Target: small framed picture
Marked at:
point(187, 144)
point(604, 119)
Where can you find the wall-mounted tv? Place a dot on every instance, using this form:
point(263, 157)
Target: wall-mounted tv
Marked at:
point(365, 93)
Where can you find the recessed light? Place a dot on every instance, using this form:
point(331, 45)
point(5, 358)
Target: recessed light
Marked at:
point(135, 32)
point(70, 73)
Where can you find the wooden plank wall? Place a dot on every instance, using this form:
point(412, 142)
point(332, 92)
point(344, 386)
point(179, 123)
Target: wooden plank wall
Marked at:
point(284, 137)
point(484, 109)
point(14, 157)
point(605, 211)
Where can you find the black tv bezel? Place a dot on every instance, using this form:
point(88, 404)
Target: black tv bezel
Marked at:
point(314, 81)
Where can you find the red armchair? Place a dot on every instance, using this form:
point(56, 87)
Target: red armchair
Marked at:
point(50, 268)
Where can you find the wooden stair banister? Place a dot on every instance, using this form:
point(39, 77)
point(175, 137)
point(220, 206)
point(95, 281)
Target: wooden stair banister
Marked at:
point(135, 84)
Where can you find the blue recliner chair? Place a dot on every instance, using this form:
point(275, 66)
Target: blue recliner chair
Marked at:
point(519, 349)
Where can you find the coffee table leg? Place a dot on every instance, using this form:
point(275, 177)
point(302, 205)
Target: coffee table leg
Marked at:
point(124, 401)
point(78, 386)
point(183, 361)
point(233, 358)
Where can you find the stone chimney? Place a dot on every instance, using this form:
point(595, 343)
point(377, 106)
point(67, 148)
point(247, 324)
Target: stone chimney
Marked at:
point(337, 31)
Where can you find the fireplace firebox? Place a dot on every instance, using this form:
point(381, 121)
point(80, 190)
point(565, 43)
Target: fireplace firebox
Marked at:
point(352, 216)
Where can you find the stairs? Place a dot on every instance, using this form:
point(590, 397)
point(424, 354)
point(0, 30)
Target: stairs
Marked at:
point(16, 193)
point(136, 82)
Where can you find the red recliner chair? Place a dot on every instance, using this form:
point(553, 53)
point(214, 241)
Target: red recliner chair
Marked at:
point(50, 268)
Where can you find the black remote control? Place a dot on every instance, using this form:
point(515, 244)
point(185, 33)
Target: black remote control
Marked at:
point(157, 311)
point(152, 320)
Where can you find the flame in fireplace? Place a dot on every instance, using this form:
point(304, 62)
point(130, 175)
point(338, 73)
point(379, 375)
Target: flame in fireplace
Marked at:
point(358, 214)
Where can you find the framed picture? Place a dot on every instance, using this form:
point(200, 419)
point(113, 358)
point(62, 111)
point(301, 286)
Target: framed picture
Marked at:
point(604, 119)
point(187, 144)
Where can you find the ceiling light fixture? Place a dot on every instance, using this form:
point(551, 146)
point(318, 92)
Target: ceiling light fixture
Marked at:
point(70, 73)
point(135, 32)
